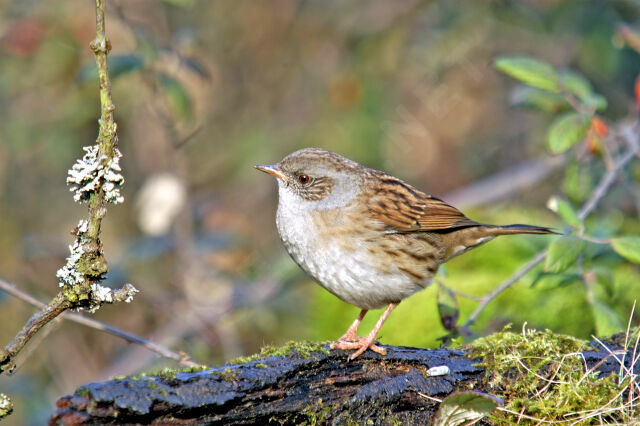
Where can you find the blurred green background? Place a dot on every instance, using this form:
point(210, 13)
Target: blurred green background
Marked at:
point(205, 89)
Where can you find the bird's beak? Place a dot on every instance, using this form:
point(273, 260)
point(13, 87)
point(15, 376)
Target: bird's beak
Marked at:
point(273, 170)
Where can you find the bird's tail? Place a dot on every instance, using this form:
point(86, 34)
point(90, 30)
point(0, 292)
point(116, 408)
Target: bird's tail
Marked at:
point(520, 229)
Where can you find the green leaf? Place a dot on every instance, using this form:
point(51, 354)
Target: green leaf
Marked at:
point(529, 71)
point(596, 102)
point(566, 131)
point(578, 182)
point(562, 253)
point(532, 98)
point(627, 247)
point(607, 321)
point(118, 65)
point(551, 281)
point(576, 84)
point(605, 287)
point(465, 407)
point(565, 210)
point(178, 101)
point(447, 308)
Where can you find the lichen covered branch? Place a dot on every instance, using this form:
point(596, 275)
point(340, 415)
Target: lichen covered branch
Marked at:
point(95, 180)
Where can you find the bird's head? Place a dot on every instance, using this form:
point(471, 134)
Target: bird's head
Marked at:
point(316, 177)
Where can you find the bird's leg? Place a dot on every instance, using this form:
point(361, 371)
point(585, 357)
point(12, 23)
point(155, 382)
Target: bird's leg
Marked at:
point(369, 340)
point(351, 334)
point(363, 343)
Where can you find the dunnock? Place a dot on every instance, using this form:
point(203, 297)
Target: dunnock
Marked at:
point(367, 237)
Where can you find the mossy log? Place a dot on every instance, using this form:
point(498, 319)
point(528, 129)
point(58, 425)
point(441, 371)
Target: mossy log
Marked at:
point(300, 383)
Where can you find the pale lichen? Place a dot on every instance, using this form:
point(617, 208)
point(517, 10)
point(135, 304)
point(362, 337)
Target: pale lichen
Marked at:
point(68, 274)
point(92, 172)
point(101, 294)
point(71, 273)
point(85, 265)
point(6, 406)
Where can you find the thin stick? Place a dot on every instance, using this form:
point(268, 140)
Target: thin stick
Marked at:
point(600, 190)
point(38, 320)
point(183, 359)
point(505, 285)
point(604, 184)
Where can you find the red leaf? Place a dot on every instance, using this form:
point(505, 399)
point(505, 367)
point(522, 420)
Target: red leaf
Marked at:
point(600, 127)
point(636, 90)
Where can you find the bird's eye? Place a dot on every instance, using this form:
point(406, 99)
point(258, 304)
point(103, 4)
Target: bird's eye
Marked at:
point(303, 179)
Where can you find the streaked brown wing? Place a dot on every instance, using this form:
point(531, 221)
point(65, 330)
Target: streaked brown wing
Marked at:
point(406, 209)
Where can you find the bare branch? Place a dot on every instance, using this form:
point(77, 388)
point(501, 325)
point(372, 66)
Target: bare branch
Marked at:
point(7, 355)
point(182, 358)
point(500, 185)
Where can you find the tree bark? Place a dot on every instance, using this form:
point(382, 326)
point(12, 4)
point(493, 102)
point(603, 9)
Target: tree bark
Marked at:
point(320, 387)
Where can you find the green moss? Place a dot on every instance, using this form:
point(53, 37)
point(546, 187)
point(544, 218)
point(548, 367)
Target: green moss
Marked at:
point(303, 348)
point(542, 375)
point(228, 374)
point(154, 386)
point(315, 413)
point(92, 264)
point(261, 365)
point(82, 392)
point(392, 420)
point(69, 294)
point(168, 373)
point(92, 405)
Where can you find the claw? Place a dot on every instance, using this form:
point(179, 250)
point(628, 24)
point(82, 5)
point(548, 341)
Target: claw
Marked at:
point(361, 345)
point(351, 340)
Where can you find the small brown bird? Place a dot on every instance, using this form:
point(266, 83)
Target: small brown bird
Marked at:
point(367, 237)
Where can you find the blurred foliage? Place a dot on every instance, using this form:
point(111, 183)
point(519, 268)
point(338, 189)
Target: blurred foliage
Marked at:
point(205, 89)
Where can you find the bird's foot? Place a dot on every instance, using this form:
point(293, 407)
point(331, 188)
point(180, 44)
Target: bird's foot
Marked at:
point(361, 344)
point(349, 336)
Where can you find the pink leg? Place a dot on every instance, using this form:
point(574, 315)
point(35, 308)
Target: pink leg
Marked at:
point(362, 344)
point(351, 334)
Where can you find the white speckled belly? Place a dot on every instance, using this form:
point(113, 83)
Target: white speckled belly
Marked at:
point(340, 261)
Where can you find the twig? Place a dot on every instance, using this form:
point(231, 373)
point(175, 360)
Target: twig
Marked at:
point(95, 180)
point(600, 190)
point(7, 355)
point(593, 240)
point(604, 184)
point(36, 341)
point(502, 287)
point(183, 359)
point(503, 183)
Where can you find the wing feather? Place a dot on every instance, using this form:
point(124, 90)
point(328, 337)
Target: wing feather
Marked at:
point(406, 209)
